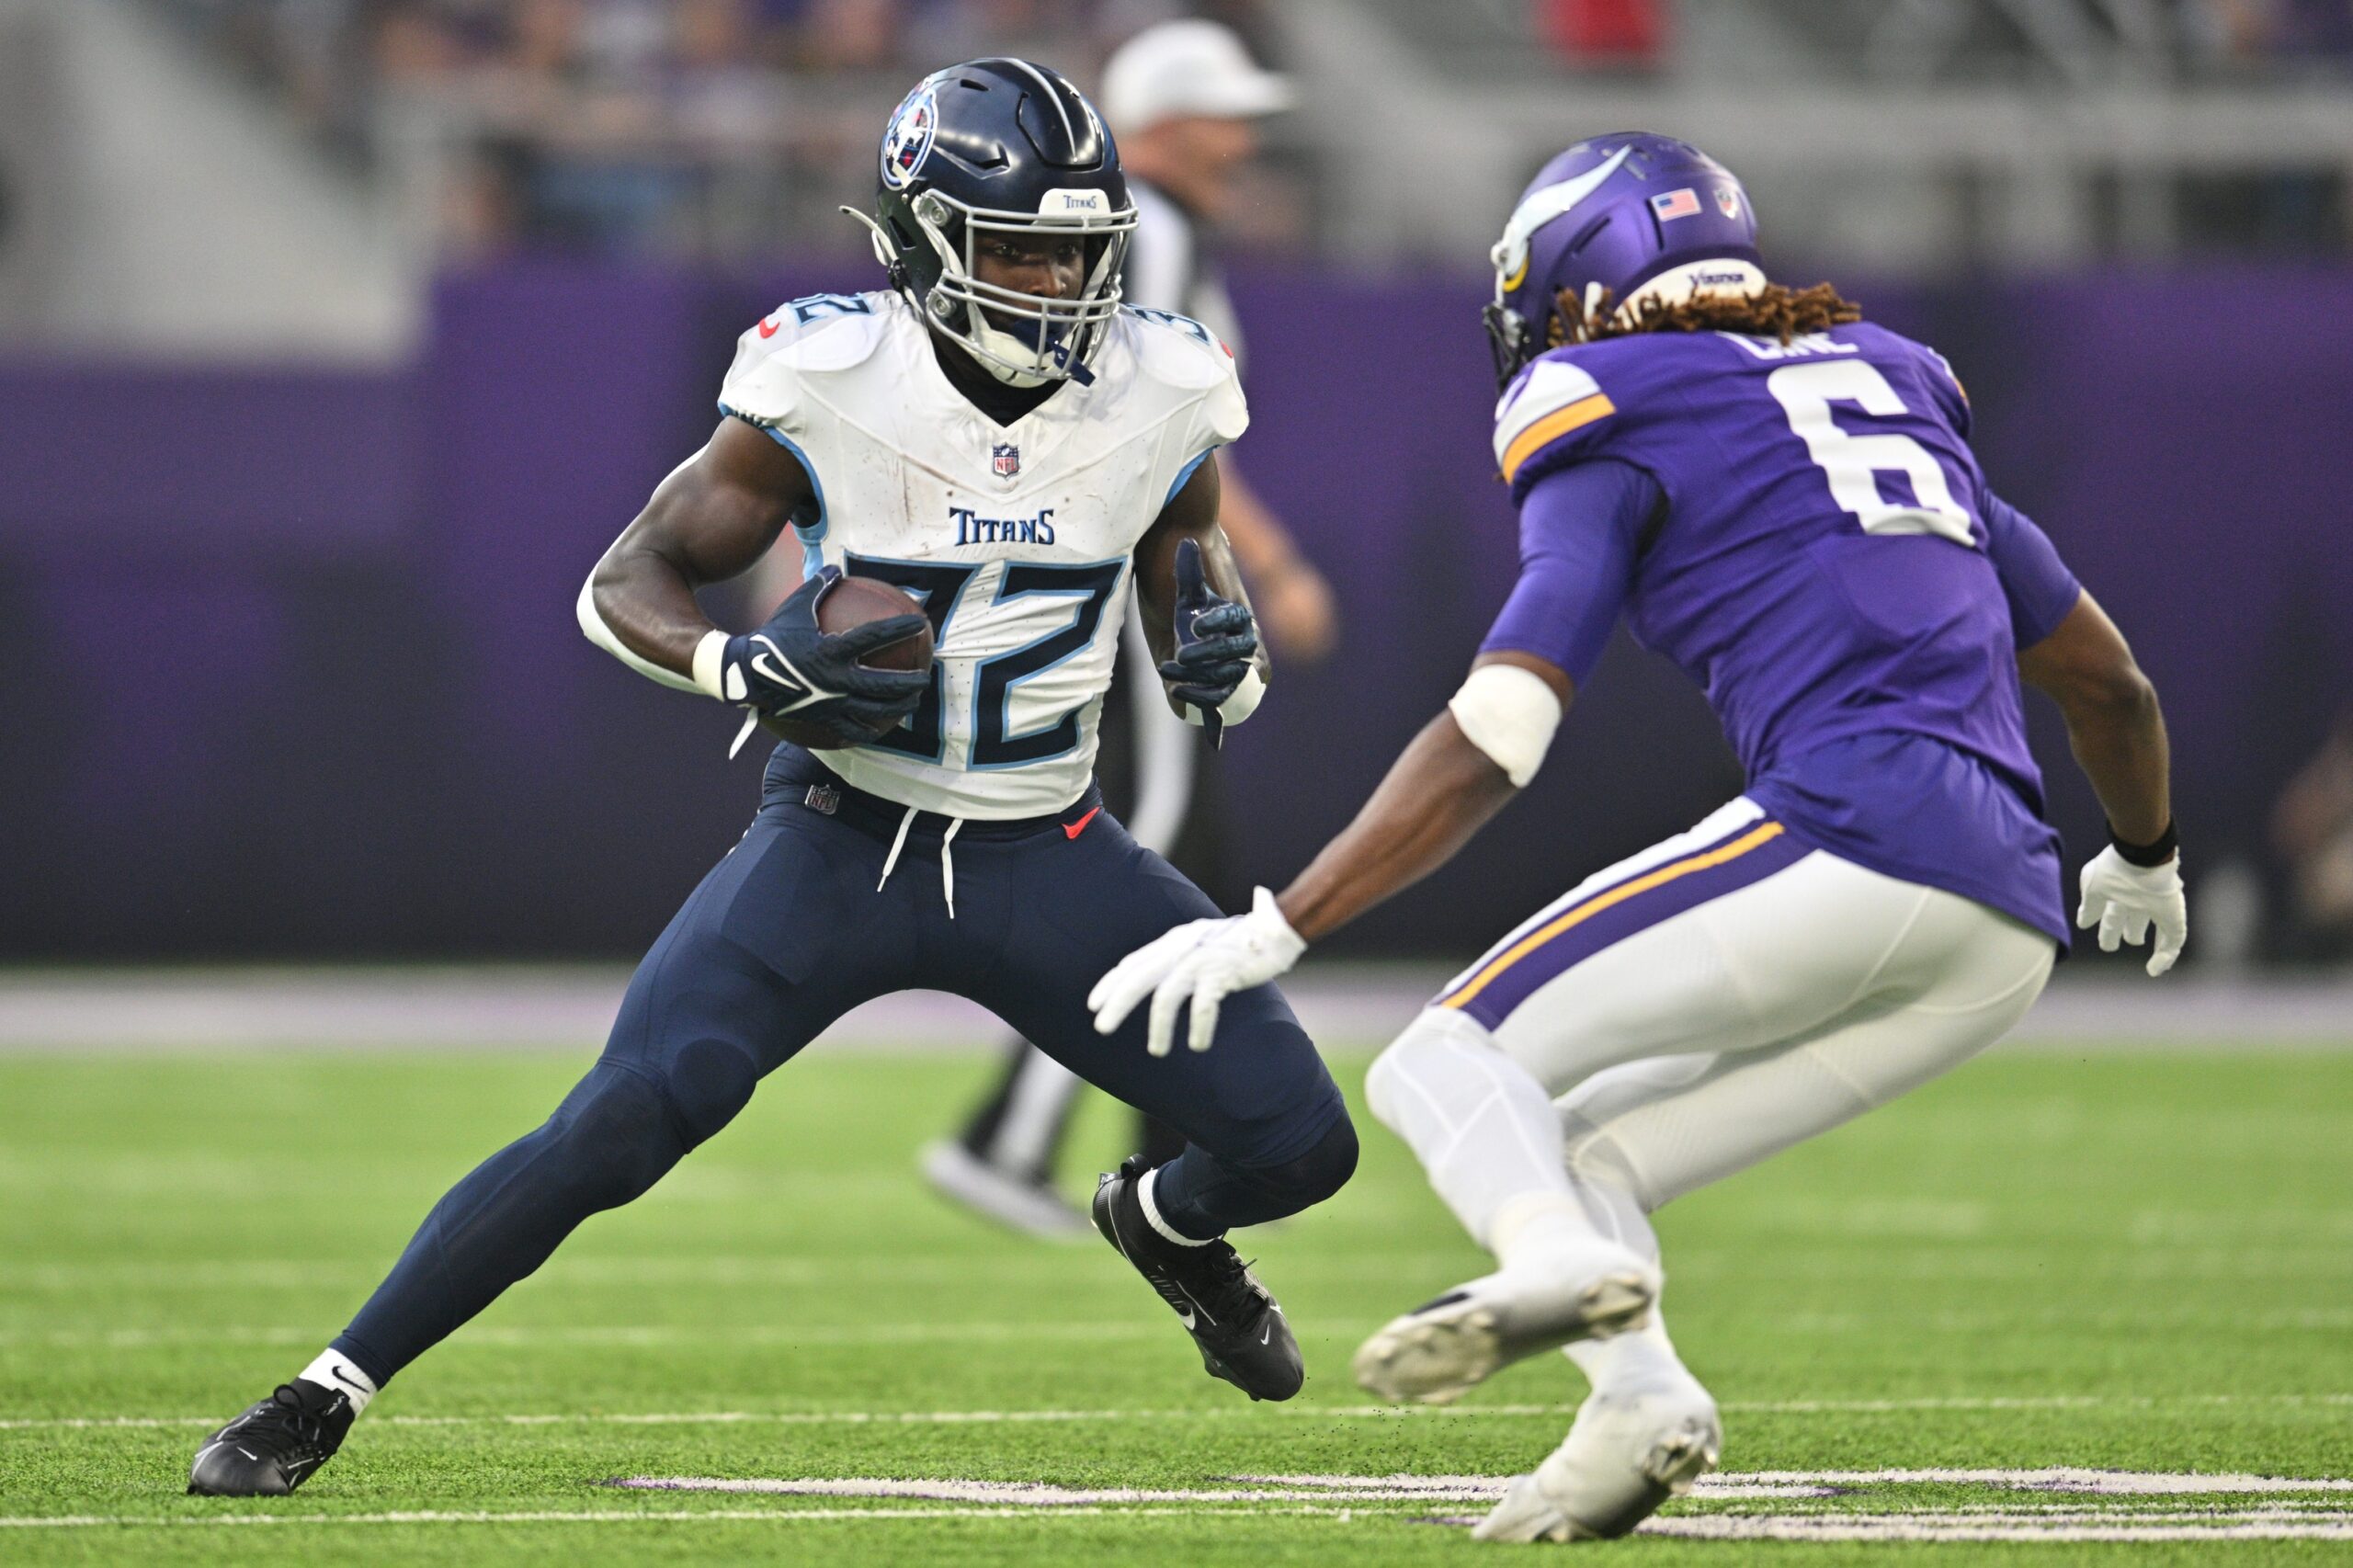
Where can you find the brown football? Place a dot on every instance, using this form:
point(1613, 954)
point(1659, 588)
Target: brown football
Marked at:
point(852, 602)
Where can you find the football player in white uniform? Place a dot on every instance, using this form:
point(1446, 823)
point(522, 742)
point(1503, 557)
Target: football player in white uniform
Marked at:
point(996, 436)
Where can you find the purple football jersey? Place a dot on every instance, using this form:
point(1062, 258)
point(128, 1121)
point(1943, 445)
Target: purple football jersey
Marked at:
point(1821, 555)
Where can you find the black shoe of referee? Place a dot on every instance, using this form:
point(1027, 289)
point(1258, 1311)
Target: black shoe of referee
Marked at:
point(274, 1446)
point(1237, 1325)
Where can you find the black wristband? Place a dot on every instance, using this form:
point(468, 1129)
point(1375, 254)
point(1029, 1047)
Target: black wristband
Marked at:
point(2167, 845)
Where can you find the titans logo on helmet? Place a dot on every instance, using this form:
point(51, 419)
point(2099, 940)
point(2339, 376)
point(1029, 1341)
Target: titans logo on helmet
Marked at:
point(907, 143)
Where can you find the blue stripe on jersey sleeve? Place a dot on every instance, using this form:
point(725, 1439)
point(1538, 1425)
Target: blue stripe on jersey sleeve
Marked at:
point(811, 534)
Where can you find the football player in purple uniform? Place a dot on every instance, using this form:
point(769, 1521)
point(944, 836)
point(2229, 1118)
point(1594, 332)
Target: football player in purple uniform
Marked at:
point(1781, 497)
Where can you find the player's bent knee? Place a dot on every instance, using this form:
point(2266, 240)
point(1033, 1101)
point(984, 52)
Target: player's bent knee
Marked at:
point(612, 1139)
point(1400, 1076)
point(708, 1081)
point(1316, 1175)
point(1329, 1165)
point(1594, 1154)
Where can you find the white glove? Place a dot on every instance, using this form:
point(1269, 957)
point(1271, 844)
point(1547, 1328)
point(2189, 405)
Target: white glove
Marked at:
point(1203, 962)
point(2123, 899)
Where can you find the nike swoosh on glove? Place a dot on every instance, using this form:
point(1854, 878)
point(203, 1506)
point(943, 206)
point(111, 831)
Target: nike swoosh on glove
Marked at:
point(1203, 962)
point(2125, 901)
point(1216, 641)
point(788, 666)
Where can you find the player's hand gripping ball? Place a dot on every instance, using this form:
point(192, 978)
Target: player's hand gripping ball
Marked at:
point(841, 662)
point(1202, 963)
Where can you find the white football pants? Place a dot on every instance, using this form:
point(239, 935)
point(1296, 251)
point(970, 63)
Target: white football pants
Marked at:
point(1688, 1012)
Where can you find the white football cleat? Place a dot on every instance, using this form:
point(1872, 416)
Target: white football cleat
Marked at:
point(1630, 1450)
point(1440, 1349)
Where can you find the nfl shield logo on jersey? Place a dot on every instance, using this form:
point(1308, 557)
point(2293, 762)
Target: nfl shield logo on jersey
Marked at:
point(1005, 459)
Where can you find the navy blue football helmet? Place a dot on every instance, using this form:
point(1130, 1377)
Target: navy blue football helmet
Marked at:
point(1630, 216)
point(998, 146)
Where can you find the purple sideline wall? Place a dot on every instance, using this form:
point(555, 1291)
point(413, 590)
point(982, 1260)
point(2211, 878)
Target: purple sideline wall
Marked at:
point(288, 666)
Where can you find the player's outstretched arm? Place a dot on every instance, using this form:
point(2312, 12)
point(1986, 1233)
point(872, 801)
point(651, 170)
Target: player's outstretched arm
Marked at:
point(1578, 532)
point(716, 514)
point(1443, 787)
point(2117, 733)
point(1197, 616)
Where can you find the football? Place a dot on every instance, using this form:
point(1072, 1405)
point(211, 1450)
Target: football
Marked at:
point(853, 602)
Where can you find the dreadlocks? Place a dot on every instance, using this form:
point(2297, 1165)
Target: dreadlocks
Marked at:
point(1775, 310)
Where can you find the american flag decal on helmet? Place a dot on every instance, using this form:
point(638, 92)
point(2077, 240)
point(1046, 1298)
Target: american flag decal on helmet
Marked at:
point(1005, 459)
point(1683, 203)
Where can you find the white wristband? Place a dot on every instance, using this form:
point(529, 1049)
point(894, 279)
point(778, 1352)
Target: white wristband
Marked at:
point(1238, 706)
point(1509, 713)
point(711, 655)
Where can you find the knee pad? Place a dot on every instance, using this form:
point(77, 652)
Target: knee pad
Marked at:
point(613, 1137)
point(708, 1082)
point(623, 1127)
point(1314, 1175)
point(1421, 1056)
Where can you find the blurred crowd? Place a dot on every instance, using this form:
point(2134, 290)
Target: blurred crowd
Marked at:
point(732, 128)
point(705, 125)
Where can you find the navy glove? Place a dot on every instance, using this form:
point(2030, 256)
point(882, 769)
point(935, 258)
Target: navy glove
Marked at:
point(790, 669)
point(1216, 642)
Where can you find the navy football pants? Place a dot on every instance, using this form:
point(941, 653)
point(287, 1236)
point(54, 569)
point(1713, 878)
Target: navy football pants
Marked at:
point(787, 933)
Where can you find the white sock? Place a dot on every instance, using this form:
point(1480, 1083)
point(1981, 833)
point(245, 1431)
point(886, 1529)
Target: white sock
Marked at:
point(1533, 1229)
point(335, 1371)
point(1482, 1127)
point(1152, 1213)
point(1639, 1355)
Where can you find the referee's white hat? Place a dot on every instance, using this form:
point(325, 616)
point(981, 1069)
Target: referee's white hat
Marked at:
point(1176, 70)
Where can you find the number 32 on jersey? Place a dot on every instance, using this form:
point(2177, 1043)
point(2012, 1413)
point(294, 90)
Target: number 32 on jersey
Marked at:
point(939, 587)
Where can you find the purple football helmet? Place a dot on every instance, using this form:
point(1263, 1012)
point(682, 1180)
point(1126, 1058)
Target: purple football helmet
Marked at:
point(1637, 215)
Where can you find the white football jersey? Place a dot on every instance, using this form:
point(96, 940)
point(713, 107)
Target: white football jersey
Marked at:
point(1016, 539)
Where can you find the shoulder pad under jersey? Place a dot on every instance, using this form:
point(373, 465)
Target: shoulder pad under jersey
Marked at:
point(810, 335)
point(1181, 353)
point(1553, 406)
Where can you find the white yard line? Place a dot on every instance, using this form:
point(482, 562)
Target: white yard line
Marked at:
point(1032, 1495)
point(1218, 1413)
point(634, 1516)
point(2280, 1508)
point(2021, 1525)
point(2025, 1524)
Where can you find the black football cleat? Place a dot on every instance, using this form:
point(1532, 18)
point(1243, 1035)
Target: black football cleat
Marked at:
point(1236, 1325)
point(274, 1446)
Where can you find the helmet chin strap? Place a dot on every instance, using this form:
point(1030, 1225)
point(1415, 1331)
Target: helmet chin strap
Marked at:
point(1000, 349)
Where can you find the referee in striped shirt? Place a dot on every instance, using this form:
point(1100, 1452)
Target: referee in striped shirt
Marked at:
point(1183, 98)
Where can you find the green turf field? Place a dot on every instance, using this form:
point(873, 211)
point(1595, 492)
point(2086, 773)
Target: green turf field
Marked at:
point(2132, 1261)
